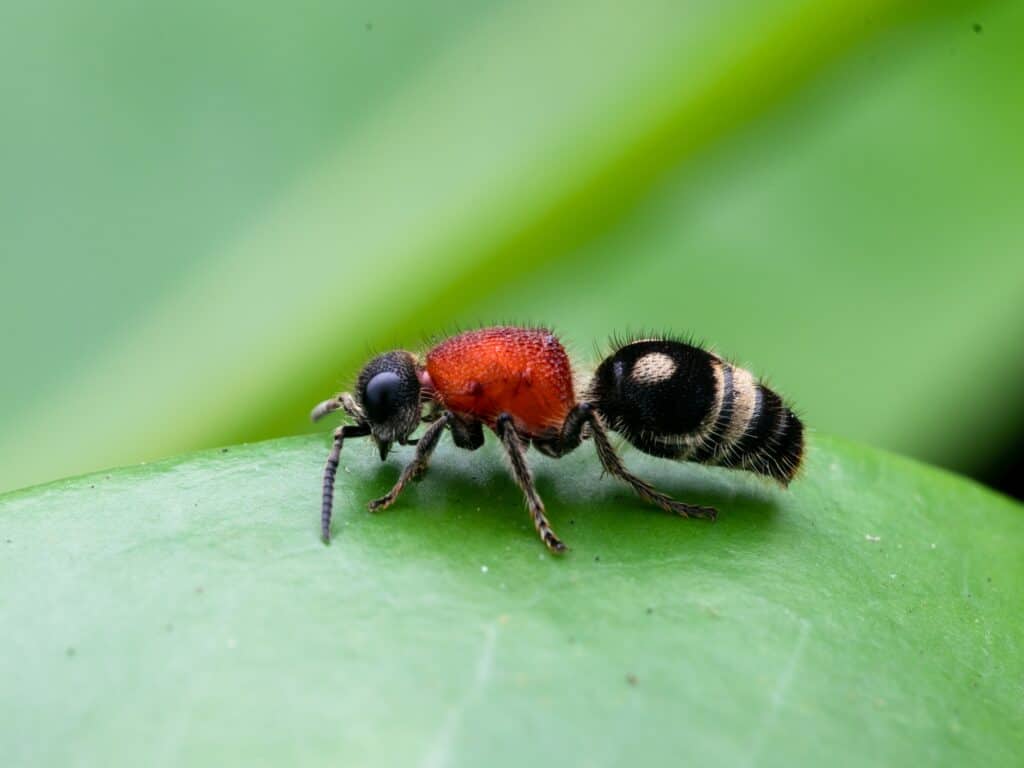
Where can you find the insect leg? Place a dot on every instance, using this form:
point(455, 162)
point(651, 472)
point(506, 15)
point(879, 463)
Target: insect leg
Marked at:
point(514, 447)
point(465, 434)
point(571, 434)
point(415, 468)
point(349, 430)
point(613, 466)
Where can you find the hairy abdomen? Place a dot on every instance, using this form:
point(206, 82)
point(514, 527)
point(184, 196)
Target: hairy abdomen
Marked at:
point(524, 372)
point(679, 401)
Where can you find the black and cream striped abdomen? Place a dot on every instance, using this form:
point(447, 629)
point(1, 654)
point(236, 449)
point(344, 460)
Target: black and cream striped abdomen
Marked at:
point(679, 401)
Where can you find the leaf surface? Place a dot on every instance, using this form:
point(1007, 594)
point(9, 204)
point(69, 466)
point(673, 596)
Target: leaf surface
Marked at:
point(185, 612)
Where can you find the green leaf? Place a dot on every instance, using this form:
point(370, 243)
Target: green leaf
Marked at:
point(186, 612)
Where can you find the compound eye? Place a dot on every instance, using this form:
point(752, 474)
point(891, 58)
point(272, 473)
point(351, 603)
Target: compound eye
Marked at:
point(382, 395)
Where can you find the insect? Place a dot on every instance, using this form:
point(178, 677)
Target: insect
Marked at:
point(666, 397)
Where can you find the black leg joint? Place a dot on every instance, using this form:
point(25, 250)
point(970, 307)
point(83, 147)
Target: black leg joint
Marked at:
point(572, 432)
point(466, 434)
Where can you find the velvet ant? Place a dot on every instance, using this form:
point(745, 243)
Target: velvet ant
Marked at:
point(666, 397)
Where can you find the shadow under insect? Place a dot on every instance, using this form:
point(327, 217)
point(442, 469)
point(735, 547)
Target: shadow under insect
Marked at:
point(470, 498)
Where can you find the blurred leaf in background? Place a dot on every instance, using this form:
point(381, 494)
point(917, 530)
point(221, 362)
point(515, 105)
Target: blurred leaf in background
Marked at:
point(213, 212)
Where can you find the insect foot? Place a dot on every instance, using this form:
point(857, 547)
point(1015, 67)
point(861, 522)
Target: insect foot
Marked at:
point(692, 510)
point(379, 505)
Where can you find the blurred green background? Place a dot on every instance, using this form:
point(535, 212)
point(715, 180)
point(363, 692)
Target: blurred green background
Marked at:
point(212, 212)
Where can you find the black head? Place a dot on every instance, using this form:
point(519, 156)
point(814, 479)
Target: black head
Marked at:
point(388, 391)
